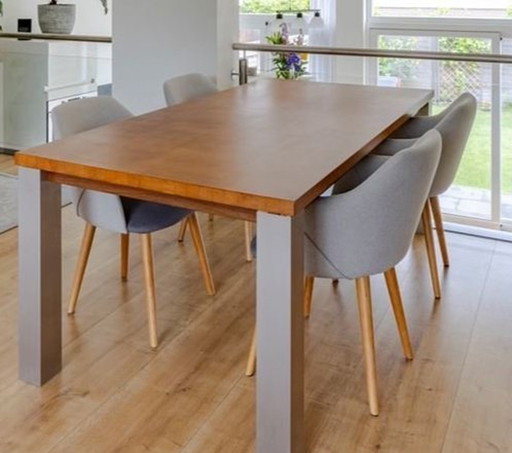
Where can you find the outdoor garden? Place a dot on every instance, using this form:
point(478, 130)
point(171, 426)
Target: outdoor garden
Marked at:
point(449, 79)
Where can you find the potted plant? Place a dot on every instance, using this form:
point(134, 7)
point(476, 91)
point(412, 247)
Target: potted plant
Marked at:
point(59, 18)
point(287, 65)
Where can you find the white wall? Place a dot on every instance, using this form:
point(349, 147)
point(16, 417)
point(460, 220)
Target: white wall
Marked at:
point(227, 34)
point(350, 32)
point(90, 17)
point(168, 38)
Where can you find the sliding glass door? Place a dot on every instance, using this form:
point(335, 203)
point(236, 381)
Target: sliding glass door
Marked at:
point(482, 191)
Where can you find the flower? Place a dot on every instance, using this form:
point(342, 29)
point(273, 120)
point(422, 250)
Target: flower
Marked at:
point(288, 65)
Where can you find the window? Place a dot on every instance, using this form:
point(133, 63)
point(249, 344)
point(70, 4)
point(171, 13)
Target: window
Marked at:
point(471, 193)
point(258, 21)
point(271, 6)
point(506, 139)
point(479, 9)
point(482, 191)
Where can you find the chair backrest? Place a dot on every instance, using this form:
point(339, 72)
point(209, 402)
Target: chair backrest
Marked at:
point(454, 126)
point(187, 87)
point(100, 209)
point(84, 114)
point(369, 229)
point(454, 123)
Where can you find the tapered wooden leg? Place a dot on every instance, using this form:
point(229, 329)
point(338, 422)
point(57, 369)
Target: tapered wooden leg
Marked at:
point(431, 251)
point(85, 250)
point(149, 279)
point(366, 319)
point(183, 230)
point(251, 360)
point(248, 240)
point(309, 283)
point(398, 310)
point(125, 253)
point(438, 221)
point(197, 238)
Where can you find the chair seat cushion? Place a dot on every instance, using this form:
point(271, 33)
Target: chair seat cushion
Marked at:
point(146, 217)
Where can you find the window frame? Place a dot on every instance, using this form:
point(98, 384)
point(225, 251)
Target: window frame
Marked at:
point(494, 29)
point(490, 24)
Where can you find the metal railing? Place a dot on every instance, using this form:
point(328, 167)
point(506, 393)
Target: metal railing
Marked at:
point(57, 37)
point(378, 53)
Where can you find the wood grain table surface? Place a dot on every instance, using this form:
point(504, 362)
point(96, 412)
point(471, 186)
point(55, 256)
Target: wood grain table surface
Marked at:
point(270, 146)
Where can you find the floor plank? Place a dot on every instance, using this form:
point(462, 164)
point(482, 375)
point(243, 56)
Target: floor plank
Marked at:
point(481, 419)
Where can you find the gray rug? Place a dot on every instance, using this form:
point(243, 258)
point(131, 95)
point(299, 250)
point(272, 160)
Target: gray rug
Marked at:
point(8, 202)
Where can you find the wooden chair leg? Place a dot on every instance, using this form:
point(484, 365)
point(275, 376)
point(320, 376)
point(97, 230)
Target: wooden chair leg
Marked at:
point(366, 319)
point(183, 230)
point(125, 253)
point(197, 238)
point(248, 240)
point(251, 360)
point(431, 251)
point(398, 310)
point(438, 221)
point(309, 283)
point(83, 257)
point(149, 279)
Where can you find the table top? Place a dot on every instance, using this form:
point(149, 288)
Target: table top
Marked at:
point(271, 146)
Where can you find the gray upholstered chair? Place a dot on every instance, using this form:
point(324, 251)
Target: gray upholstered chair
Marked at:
point(187, 88)
point(454, 124)
point(367, 231)
point(120, 214)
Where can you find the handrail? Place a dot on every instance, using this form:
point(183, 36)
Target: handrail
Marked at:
point(381, 53)
point(58, 37)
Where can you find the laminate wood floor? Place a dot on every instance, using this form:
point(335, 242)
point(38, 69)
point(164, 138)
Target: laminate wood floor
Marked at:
point(190, 395)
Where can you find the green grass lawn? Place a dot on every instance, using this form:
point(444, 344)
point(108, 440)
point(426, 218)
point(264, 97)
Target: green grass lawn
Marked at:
point(475, 168)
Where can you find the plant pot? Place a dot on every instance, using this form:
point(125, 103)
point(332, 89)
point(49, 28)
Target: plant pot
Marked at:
point(56, 19)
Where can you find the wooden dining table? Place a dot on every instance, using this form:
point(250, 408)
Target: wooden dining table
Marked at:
point(260, 152)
